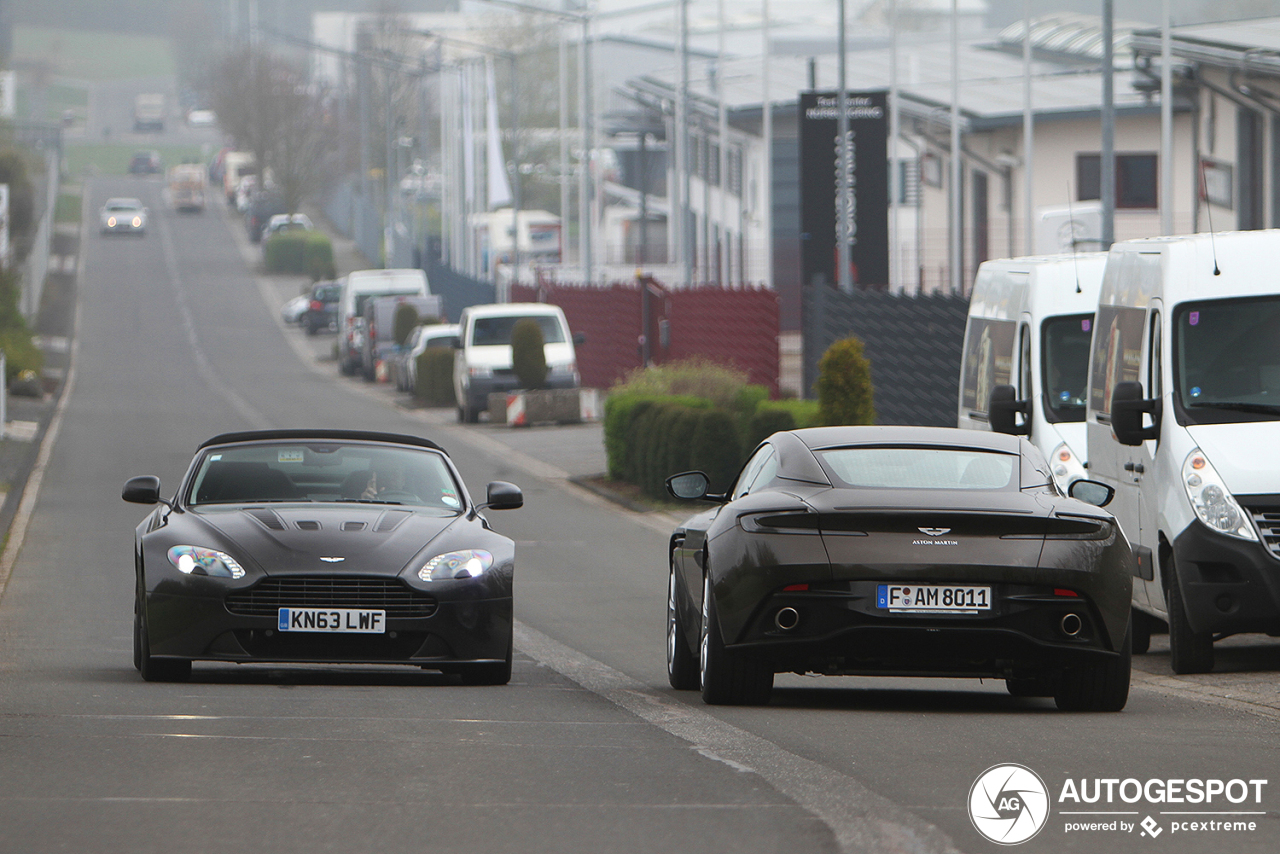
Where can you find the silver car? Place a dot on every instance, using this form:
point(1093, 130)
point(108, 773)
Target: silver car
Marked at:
point(123, 216)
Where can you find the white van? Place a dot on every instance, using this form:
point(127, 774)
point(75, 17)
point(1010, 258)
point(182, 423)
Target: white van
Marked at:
point(359, 286)
point(482, 361)
point(1184, 421)
point(1026, 344)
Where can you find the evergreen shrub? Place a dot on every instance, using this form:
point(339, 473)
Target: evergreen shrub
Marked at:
point(844, 385)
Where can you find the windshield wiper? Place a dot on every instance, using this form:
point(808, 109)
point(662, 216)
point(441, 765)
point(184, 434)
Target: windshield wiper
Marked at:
point(1238, 406)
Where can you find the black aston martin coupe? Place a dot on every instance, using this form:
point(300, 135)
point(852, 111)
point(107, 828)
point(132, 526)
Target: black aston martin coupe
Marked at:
point(910, 551)
point(322, 546)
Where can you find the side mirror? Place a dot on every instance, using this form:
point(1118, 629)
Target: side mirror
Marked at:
point(456, 342)
point(579, 338)
point(1127, 407)
point(142, 490)
point(503, 496)
point(688, 486)
point(1092, 492)
point(1003, 408)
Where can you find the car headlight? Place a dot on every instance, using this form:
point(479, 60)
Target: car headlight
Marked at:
point(194, 560)
point(1066, 466)
point(1212, 502)
point(137, 222)
point(111, 222)
point(568, 369)
point(467, 563)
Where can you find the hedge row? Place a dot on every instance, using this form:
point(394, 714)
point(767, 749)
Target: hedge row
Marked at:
point(305, 252)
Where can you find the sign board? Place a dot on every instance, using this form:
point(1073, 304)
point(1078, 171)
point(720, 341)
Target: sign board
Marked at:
point(868, 202)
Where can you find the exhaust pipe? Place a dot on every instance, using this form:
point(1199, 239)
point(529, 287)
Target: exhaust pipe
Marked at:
point(786, 618)
point(1071, 625)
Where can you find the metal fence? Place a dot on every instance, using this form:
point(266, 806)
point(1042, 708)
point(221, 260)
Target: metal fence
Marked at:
point(913, 344)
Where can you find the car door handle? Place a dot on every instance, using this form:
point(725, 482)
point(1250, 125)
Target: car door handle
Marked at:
point(1137, 468)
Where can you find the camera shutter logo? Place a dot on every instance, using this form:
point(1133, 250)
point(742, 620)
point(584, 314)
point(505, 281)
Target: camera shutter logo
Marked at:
point(1008, 804)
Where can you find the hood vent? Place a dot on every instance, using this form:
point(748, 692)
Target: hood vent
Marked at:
point(308, 525)
point(266, 517)
point(353, 526)
point(391, 520)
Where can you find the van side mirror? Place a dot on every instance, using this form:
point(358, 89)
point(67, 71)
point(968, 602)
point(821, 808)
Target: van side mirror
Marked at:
point(1127, 407)
point(1003, 409)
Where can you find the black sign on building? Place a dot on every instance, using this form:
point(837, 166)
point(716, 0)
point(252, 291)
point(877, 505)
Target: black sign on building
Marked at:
point(868, 203)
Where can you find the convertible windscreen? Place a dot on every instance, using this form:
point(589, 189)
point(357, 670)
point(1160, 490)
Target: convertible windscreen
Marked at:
point(921, 468)
point(324, 472)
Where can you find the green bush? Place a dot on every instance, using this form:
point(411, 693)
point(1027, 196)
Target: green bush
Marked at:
point(528, 353)
point(434, 382)
point(844, 385)
point(696, 377)
point(620, 410)
point(405, 321)
point(715, 448)
point(20, 353)
point(307, 253)
point(804, 412)
point(317, 261)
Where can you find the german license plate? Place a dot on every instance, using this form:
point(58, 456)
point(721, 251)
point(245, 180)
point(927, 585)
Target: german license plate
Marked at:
point(933, 598)
point(332, 620)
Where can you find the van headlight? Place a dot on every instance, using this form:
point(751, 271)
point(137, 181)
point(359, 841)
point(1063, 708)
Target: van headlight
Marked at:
point(1066, 466)
point(1213, 504)
point(568, 369)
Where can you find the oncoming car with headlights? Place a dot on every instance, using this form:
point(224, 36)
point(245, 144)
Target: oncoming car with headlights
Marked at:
point(910, 551)
point(123, 216)
point(322, 546)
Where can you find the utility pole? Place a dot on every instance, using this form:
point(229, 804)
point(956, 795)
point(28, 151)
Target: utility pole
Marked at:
point(844, 275)
point(1107, 188)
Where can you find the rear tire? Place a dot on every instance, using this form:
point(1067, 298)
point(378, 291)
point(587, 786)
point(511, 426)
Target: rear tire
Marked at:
point(682, 666)
point(728, 678)
point(1141, 632)
point(1100, 687)
point(1189, 651)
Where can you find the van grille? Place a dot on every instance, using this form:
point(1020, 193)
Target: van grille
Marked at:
point(1268, 523)
point(327, 591)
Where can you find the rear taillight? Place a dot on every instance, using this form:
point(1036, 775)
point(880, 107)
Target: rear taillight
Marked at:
point(316, 305)
point(795, 588)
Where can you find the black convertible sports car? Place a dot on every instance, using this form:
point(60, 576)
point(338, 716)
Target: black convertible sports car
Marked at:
point(322, 546)
point(911, 551)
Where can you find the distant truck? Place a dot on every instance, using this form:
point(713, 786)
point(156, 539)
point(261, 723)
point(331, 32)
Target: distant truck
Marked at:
point(148, 111)
point(187, 187)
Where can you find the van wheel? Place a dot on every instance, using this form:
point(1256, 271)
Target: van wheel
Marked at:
point(1141, 632)
point(1097, 687)
point(1189, 651)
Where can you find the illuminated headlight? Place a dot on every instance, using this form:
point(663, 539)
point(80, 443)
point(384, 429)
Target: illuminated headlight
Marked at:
point(480, 371)
point(1066, 467)
point(468, 563)
point(1212, 502)
point(111, 222)
point(137, 222)
point(193, 560)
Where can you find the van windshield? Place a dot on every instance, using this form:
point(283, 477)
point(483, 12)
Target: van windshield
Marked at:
point(489, 331)
point(1065, 344)
point(1227, 361)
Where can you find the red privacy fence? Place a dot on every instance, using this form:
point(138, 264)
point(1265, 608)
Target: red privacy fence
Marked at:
point(625, 322)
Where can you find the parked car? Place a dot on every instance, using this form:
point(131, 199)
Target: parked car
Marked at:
point(123, 216)
point(322, 307)
point(259, 210)
point(201, 118)
point(361, 285)
point(919, 551)
point(145, 163)
point(286, 222)
point(405, 366)
point(322, 546)
point(379, 314)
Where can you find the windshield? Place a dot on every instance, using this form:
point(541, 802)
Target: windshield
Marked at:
point(1227, 359)
point(921, 468)
point(324, 471)
point(1065, 357)
point(497, 330)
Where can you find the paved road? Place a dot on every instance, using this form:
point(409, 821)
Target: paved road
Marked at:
point(587, 749)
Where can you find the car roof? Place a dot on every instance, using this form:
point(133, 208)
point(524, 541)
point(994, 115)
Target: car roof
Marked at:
point(512, 308)
point(254, 436)
point(831, 437)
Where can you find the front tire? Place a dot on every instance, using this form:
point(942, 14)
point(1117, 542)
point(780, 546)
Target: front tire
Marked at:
point(156, 669)
point(1189, 651)
point(490, 673)
point(728, 678)
point(682, 667)
point(1097, 687)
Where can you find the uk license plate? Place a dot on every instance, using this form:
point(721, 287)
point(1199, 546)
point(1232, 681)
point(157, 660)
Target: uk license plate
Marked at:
point(933, 598)
point(354, 620)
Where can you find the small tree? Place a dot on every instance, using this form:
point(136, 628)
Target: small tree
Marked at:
point(528, 356)
point(844, 385)
point(406, 319)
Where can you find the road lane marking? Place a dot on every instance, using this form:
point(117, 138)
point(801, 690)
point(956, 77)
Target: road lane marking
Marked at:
point(860, 819)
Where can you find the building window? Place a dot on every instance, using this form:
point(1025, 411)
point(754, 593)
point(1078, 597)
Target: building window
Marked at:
point(1136, 179)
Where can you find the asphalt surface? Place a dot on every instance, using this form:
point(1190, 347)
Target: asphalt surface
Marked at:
point(178, 338)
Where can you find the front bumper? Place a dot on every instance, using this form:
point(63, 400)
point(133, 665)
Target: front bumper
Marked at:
point(1228, 585)
point(455, 632)
point(840, 630)
point(479, 388)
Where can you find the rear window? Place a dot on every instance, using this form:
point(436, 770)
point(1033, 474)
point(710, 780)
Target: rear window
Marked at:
point(920, 468)
point(490, 331)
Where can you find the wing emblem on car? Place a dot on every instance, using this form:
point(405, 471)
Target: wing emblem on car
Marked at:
point(934, 532)
point(333, 559)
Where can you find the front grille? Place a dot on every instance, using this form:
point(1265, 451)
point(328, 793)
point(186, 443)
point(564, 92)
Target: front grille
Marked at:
point(311, 591)
point(1268, 522)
